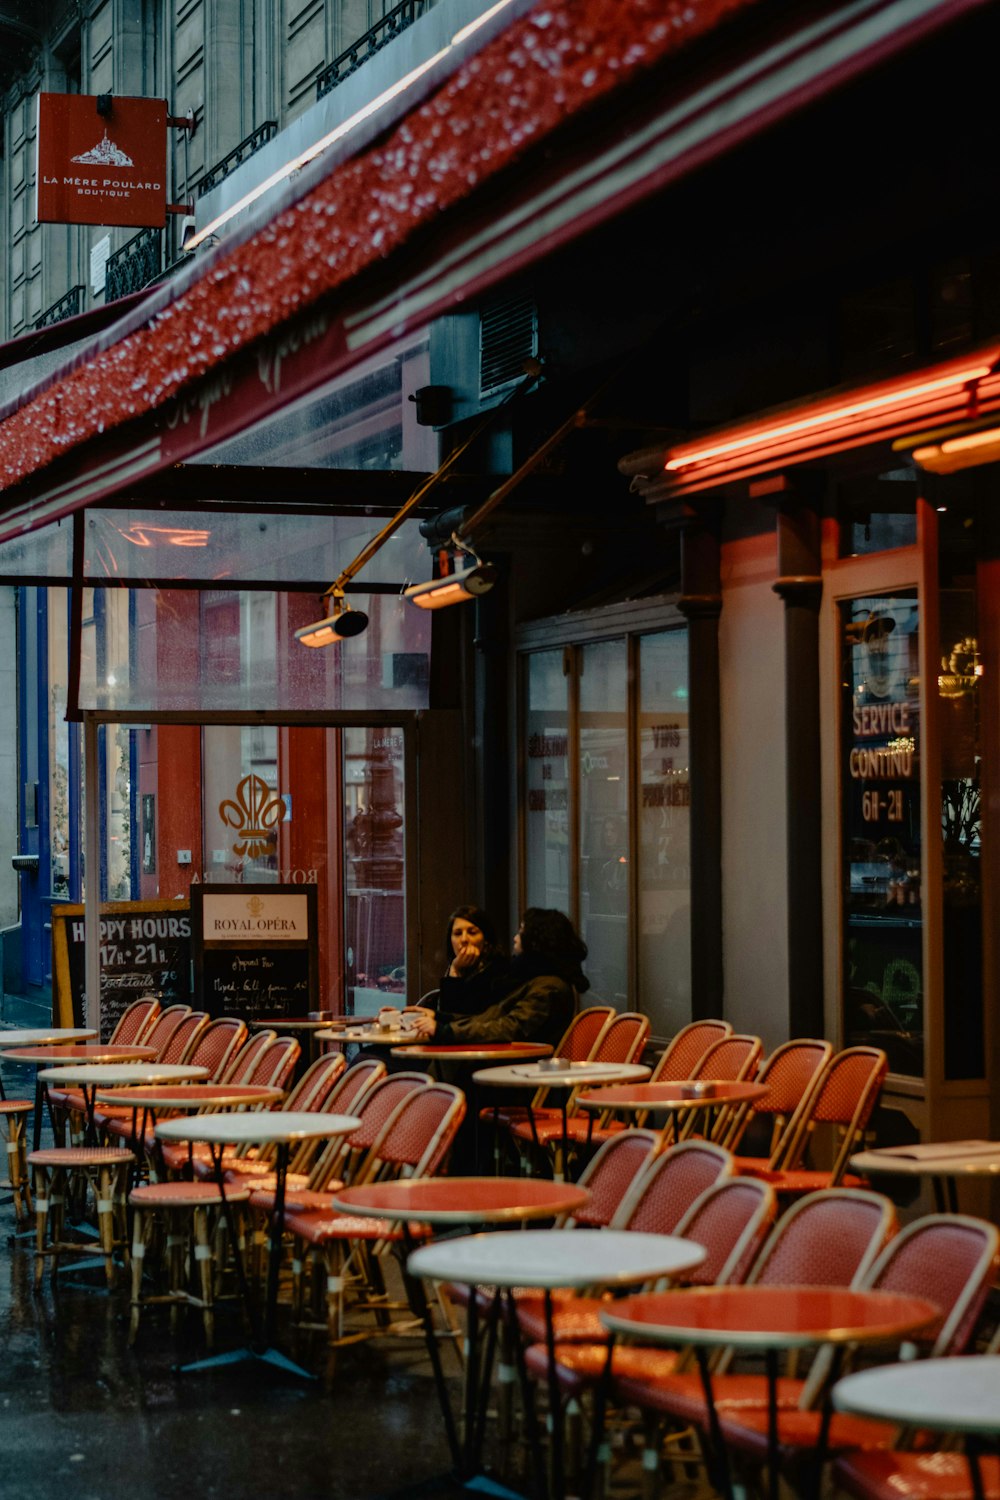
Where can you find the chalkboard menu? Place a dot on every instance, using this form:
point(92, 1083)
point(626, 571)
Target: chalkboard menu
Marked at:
point(145, 950)
point(255, 949)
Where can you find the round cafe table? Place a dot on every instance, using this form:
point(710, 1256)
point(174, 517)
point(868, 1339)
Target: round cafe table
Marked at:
point(449, 1201)
point(695, 1093)
point(944, 1395)
point(89, 1077)
point(768, 1319)
point(281, 1128)
point(563, 1079)
point(550, 1260)
point(185, 1098)
point(49, 1054)
point(367, 1036)
point(944, 1163)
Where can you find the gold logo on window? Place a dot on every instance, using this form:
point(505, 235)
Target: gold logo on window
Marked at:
point(254, 812)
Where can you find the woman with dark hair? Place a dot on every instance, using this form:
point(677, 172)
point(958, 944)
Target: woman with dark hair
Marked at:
point(538, 994)
point(476, 962)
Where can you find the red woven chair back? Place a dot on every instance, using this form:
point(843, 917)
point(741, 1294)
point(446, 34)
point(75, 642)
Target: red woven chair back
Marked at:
point(417, 1138)
point(732, 1224)
point(826, 1239)
point(685, 1052)
point(623, 1039)
point(730, 1060)
point(790, 1072)
point(845, 1094)
point(661, 1197)
point(350, 1087)
point(242, 1063)
point(185, 1038)
point(275, 1064)
point(134, 1021)
point(583, 1033)
point(951, 1259)
point(217, 1044)
point(316, 1082)
point(164, 1026)
point(378, 1103)
point(610, 1174)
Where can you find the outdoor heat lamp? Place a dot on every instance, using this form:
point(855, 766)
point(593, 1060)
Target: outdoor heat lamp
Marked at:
point(340, 626)
point(457, 587)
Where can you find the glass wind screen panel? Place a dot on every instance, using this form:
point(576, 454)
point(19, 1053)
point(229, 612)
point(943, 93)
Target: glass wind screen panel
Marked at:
point(664, 916)
point(242, 791)
point(59, 745)
point(47, 553)
point(958, 688)
point(547, 775)
point(153, 650)
point(880, 813)
point(604, 846)
point(357, 425)
point(216, 546)
point(374, 901)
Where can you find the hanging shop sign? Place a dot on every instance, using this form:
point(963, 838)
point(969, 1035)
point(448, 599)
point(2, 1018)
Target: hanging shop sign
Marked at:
point(102, 160)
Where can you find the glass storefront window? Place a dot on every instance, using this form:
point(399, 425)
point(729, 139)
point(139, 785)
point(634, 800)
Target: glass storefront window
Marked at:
point(59, 746)
point(961, 822)
point(664, 917)
point(374, 898)
point(603, 824)
point(880, 811)
point(547, 776)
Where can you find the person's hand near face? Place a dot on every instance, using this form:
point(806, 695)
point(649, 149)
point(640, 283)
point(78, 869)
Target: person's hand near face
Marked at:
point(466, 945)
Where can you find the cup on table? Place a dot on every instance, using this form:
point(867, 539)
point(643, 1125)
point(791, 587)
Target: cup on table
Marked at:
point(388, 1018)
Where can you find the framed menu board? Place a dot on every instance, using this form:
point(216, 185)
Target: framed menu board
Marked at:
point(145, 950)
point(255, 949)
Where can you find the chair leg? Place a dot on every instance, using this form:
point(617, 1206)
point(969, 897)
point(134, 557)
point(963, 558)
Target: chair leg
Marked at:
point(141, 1232)
point(106, 1184)
point(41, 1220)
point(203, 1259)
point(17, 1167)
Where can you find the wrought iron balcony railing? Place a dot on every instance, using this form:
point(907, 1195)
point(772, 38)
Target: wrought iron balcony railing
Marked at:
point(236, 157)
point(375, 38)
point(135, 265)
point(66, 307)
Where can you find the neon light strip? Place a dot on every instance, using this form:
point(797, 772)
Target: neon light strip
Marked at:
point(761, 436)
point(346, 126)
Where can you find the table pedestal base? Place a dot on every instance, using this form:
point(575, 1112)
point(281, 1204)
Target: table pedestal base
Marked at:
point(245, 1356)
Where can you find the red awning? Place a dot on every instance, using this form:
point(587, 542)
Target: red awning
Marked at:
point(276, 314)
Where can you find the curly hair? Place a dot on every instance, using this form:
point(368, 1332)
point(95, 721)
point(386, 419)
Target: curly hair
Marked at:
point(547, 931)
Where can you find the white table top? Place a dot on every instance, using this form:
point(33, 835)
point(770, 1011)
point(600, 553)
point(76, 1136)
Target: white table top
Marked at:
point(45, 1036)
point(370, 1035)
point(556, 1258)
point(260, 1128)
point(106, 1075)
point(949, 1395)
point(534, 1075)
point(932, 1159)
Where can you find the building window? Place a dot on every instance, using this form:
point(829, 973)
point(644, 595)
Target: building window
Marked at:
point(606, 811)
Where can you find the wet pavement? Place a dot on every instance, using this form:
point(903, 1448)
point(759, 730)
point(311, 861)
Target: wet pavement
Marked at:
point(83, 1414)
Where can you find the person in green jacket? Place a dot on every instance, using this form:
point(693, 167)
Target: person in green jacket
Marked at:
point(538, 994)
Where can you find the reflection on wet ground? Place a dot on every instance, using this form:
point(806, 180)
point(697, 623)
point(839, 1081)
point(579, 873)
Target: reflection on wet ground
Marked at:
point(84, 1414)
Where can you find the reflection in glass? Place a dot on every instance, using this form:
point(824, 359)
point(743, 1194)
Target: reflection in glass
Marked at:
point(664, 832)
point(604, 835)
point(375, 912)
point(880, 810)
point(547, 776)
point(961, 818)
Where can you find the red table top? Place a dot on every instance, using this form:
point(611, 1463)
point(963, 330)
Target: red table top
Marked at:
point(778, 1316)
point(81, 1052)
point(464, 1200)
point(153, 1094)
point(670, 1095)
point(473, 1050)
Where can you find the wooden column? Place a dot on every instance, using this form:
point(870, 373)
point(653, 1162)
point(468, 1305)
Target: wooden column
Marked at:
point(800, 586)
point(701, 604)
